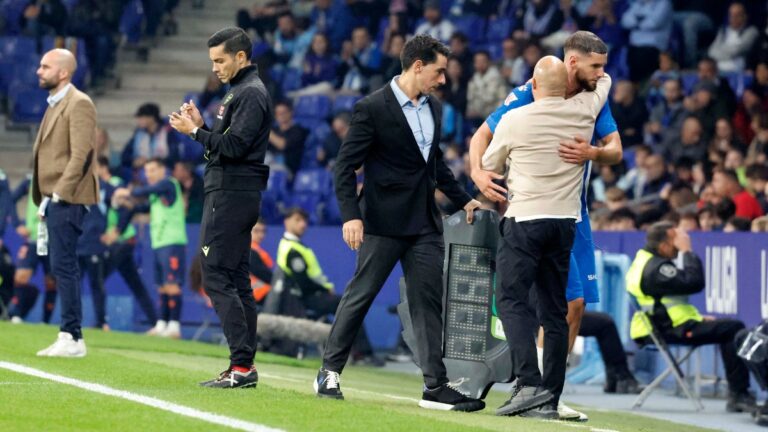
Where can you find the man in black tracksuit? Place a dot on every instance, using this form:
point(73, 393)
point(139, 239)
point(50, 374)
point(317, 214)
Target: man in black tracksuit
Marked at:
point(235, 175)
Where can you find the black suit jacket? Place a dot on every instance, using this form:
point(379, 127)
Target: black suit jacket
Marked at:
point(398, 196)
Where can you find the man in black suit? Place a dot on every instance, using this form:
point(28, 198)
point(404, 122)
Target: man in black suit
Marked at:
point(394, 134)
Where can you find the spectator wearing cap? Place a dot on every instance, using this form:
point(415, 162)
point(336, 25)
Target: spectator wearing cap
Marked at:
point(649, 23)
point(734, 40)
point(434, 24)
point(152, 138)
point(726, 186)
point(286, 140)
point(629, 112)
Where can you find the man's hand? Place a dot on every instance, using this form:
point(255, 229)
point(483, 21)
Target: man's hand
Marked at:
point(181, 123)
point(353, 233)
point(682, 240)
point(484, 181)
point(577, 151)
point(22, 231)
point(109, 237)
point(190, 110)
point(470, 209)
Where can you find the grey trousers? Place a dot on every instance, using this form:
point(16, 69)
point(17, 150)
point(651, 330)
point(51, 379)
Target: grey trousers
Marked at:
point(422, 260)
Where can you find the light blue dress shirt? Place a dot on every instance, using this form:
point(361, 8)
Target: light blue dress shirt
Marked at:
point(419, 118)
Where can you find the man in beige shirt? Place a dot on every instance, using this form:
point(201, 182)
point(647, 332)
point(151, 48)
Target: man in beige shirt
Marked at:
point(538, 228)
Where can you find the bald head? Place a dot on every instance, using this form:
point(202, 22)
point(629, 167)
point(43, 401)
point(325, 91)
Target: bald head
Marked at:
point(549, 77)
point(56, 69)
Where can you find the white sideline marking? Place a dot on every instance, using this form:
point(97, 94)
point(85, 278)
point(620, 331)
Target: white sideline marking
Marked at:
point(144, 400)
point(579, 426)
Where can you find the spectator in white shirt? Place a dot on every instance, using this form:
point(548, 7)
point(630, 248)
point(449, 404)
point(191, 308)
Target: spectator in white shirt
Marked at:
point(434, 24)
point(734, 41)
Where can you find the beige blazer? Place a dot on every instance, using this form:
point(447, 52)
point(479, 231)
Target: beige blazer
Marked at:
point(64, 151)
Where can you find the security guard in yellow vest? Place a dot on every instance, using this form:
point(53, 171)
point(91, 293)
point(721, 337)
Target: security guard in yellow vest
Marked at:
point(662, 288)
point(301, 271)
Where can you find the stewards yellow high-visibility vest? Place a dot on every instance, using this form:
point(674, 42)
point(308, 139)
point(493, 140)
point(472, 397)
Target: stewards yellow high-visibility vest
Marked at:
point(678, 308)
point(313, 267)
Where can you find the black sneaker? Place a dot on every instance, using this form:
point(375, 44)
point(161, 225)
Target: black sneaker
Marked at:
point(231, 378)
point(743, 401)
point(449, 398)
point(547, 411)
point(629, 386)
point(524, 398)
point(328, 385)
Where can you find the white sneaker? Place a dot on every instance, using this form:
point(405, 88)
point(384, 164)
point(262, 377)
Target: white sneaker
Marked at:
point(569, 414)
point(158, 329)
point(65, 346)
point(17, 320)
point(173, 330)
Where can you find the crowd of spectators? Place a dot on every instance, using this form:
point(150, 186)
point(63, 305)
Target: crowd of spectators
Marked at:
point(690, 94)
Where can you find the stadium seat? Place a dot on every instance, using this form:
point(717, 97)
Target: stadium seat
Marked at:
point(689, 81)
point(12, 10)
point(309, 202)
point(270, 209)
point(313, 181)
point(28, 105)
point(18, 48)
point(277, 185)
point(259, 49)
point(499, 29)
point(345, 103)
point(472, 26)
point(318, 134)
point(738, 81)
point(314, 106)
point(309, 123)
point(331, 212)
point(291, 80)
point(130, 21)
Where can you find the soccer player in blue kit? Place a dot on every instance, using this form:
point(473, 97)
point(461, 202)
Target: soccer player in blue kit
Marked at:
point(585, 59)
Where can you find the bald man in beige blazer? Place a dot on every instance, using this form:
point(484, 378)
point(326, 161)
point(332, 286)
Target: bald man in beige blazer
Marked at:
point(63, 184)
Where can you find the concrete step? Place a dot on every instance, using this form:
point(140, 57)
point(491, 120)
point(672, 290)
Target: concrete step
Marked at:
point(166, 67)
point(179, 83)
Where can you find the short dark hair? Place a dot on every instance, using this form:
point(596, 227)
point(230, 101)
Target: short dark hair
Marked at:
point(586, 43)
point(657, 234)
point(234, 39)
point(730, 174)
point(621, 214)
point(286, 103)
point(725, 209)
point(484, 53)
point(757, 172)
point(740, 223)
point(157, 160)
point(422, 47)
point(297, 211)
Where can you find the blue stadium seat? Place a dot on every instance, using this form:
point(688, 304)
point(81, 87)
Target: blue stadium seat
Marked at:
point(291, 80)
point(494, 49)
point(499, 29)
point(689, 81)
point(25, 75)
point(6, 75)
point(130, 21)
point(18, 48)
point(331, 212)
point(311, 203)
point(277, 185)
point(309, 122)
point(345, 103)
point(270, 210)
point(195, 96)
point(12, 10)
point(472, 26)
point(314, 106)
point(319, 133)
point(738, 81)
point(259, 49)
point(313, 181)
point(28, 105)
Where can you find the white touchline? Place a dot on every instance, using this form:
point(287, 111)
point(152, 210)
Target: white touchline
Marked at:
point(145, 400)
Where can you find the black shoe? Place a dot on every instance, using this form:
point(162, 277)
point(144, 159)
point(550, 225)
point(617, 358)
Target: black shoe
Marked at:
point(743, 401)
point(761, 415)
point(547, 411)
point(628, 386)
point(328, 385)
point(525, 398)
point(449, 398)
point(231, 378)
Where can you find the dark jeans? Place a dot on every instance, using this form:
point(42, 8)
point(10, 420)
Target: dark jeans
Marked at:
point(121, 259)
point(65, 223)
point(326, 303)
point(721, 331)
point(422, 260)
point(225, 234)
point(602, 327)
point(537, 252)
point(93, 265)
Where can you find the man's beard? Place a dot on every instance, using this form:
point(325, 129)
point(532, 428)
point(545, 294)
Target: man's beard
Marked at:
point(48, 85)
point(585, 84)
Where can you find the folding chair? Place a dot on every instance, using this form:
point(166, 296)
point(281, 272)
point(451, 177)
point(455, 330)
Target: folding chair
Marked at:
point(673, 364)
